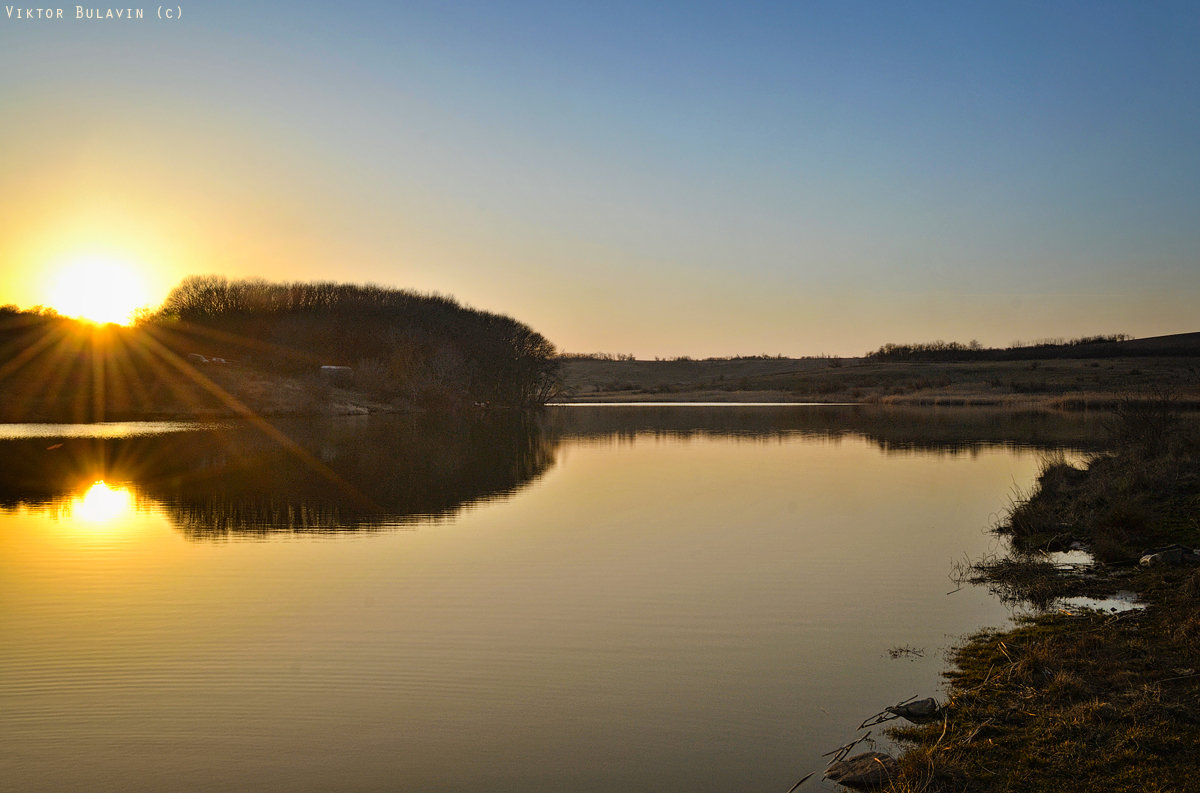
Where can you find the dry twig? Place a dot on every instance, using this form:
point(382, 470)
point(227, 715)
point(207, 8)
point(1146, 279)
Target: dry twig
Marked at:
point(840, 752)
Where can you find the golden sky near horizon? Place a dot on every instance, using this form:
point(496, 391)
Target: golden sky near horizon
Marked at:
point(659, 180)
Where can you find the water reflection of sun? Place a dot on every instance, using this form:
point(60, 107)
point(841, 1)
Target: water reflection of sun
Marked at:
point(102, 506)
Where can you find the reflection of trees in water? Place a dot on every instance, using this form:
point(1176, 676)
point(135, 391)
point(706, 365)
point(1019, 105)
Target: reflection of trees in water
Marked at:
point(949, 430)
point(322, 475)
point(327, 475)
point(355, 474)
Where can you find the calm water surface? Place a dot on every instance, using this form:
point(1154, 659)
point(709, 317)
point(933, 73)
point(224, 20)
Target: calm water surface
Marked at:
point(602, 599)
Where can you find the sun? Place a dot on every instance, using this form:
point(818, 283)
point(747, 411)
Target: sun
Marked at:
point(101, 289)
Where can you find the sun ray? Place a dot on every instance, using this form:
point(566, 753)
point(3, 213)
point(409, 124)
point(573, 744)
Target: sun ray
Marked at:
point(99, 382)
point(264, 426)
point(274, 350)
point(82, 369)
point(124, 376)
point(25, 356)
point(60, 363)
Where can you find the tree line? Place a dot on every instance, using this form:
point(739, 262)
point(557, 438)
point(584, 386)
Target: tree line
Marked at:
point(425, 348)
point(1084, 346)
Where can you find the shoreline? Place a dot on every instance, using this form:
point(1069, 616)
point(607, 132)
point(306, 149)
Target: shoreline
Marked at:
point(1071, 402)
point(230, 389)
point(1075, 698)
point(352, 404)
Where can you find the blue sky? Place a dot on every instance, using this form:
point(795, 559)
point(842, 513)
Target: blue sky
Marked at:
point(655, 178)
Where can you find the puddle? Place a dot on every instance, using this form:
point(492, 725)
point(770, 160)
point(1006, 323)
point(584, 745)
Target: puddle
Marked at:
point(1073, 558)
point(1121, 601)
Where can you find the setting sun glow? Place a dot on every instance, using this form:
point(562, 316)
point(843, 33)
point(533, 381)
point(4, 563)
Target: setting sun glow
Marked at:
point(99, 289)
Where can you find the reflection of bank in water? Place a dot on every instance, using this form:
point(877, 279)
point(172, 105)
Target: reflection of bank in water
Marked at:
point(330, 475)
point(949, 430)
point(363, 472)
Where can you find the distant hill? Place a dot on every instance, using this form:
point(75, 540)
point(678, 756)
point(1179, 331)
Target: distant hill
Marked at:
point(1079, 375)
point(1115, 346)
point(1182, 344)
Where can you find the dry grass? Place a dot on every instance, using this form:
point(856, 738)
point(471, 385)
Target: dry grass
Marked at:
point(1088, 702)
point(1145, 493)
point(1084, 701)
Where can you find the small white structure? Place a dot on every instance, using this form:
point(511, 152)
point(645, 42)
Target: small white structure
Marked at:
point(336, 374)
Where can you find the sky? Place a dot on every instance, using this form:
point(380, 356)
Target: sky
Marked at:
point(655, 178)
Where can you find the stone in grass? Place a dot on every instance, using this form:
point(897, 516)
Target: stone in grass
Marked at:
point(918, 711)
point(1170, 556)
point(867, 771)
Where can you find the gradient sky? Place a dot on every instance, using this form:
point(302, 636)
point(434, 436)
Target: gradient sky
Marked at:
point(655, 178)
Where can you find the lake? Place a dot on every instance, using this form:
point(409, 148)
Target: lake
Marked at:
point(597, 598)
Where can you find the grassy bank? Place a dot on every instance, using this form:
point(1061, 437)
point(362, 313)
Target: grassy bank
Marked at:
point(1077, 699)
point(1067, 383)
